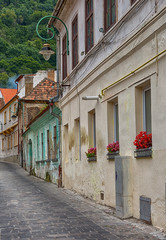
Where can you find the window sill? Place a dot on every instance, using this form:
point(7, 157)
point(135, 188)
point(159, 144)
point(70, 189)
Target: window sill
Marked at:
point(111, 156)
point(92, 159)
point(143, 153)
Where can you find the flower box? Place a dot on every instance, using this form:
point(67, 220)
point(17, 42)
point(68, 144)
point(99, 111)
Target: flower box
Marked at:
point(111, 156)
point(92, 159)
point(141, 153)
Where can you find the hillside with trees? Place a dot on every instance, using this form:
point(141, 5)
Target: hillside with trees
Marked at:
point(20, 45)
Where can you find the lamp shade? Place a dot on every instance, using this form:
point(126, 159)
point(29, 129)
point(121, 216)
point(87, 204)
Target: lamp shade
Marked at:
point(14, 117)
point(46, 51)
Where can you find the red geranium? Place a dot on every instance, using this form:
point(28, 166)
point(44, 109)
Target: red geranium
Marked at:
point(91, 152)
point(143, 140)
point(113, 147)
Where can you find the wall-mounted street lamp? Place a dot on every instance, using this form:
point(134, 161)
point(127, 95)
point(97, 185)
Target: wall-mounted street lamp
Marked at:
point(14, 117)
point(46, 50)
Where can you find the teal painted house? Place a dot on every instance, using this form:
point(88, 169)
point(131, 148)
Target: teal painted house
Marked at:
point(41, 144)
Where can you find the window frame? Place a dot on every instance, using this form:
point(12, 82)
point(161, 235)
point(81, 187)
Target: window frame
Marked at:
point(92, 128)
point(116, 122)
point(64, 56)
point(87, 19)
point(11, 141)
point(9, 114)
point(144, 110)
point(106, 28)
point(48, 144)
point(55, 141)
point(5, 117)
point(42, 146)
point(3, 141)
point(75, 42)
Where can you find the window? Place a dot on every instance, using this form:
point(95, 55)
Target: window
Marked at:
point(92, 128)
point(37, 147)
point(77, 138)
point(116, 123)
point(89, 24)
point(64, 56)
point(3, 144)
point(133, 1)
point(75, 41)
point(8, 143)
point(113, 121)
point(66, 143)
point(5, 117)
point(55, 144)
point(15, 138)
point(11, 141)
point(109, 13)
point(10, 114)
point(15, 105)
point(143, 107)
point(48, 144)
point(147, 110)
point(42, 145)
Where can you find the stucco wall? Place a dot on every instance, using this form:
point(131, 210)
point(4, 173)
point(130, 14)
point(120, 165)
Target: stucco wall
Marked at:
point(148, 175)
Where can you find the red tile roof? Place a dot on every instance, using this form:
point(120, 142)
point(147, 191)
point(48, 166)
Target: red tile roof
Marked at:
point(44, 90)
point(8, 94)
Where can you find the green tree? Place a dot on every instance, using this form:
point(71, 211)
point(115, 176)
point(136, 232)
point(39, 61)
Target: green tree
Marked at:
point(8, 17)
point(3, 79)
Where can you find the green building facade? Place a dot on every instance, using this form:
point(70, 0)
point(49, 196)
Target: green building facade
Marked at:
point(41, 143)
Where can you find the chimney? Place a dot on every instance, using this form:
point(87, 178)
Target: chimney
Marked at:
point(28, 84)
point(51, 74)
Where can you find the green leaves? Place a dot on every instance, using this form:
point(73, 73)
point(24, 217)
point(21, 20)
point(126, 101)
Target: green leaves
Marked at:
point(20, 45)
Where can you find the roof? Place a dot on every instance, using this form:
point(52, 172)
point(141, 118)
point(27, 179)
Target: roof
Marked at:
point(44, 90)
point(8, 94)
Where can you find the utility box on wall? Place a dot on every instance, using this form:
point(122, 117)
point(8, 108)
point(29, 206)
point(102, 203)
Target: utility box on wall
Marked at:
point(123, 186)
point(145, 209)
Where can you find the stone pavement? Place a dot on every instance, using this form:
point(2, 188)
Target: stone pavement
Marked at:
point(31, 208)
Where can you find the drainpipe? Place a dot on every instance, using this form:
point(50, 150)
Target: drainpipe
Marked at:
point(56, 98)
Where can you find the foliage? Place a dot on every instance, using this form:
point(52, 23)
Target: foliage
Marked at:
point(20, 45)
point(143, 140)
point(91, 152)
point(113, 147)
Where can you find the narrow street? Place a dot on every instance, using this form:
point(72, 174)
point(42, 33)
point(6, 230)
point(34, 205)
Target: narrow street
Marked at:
point(34, 209)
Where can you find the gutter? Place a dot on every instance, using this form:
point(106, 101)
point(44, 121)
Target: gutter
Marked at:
point(132, 72)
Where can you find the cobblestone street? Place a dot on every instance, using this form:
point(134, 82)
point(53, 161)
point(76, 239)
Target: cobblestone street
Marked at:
point(34, 209)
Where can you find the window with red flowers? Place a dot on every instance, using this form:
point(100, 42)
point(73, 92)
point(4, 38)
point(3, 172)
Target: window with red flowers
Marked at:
point(64, 56)
point(89, 24)
point(109, 13)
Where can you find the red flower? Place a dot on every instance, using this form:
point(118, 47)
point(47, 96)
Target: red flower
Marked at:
point(113, 147)
point(143, 140)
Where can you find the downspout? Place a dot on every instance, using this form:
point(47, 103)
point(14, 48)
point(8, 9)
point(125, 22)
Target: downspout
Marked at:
point(56, 98)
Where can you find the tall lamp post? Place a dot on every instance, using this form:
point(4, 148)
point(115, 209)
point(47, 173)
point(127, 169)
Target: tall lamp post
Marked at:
point(46, 50)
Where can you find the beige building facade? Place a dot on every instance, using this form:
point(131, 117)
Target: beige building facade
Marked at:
point(9, 131)
point(122, 65)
